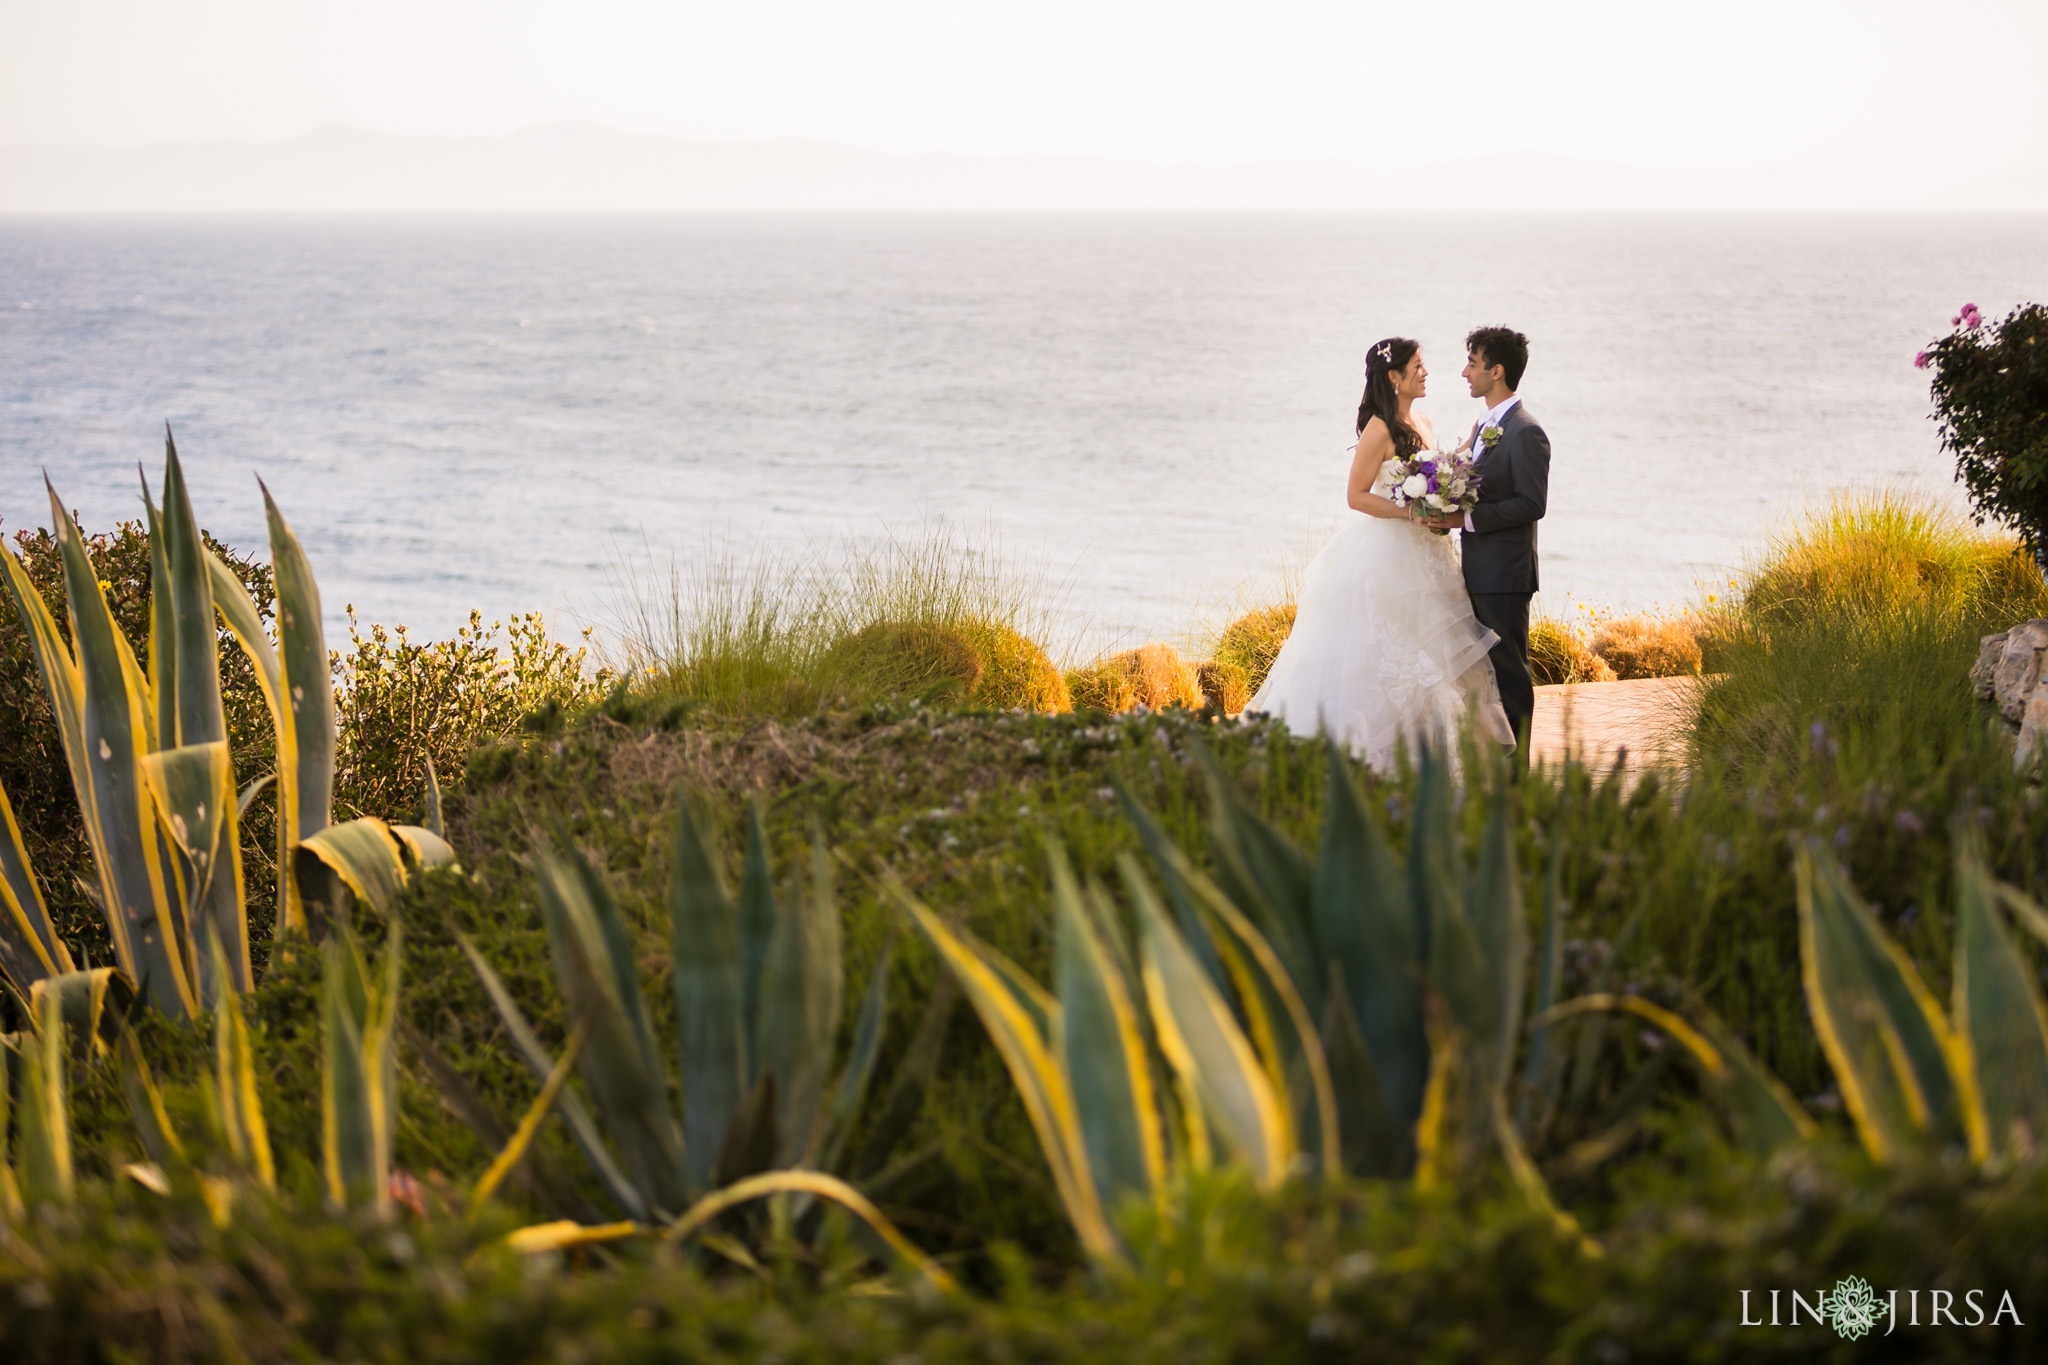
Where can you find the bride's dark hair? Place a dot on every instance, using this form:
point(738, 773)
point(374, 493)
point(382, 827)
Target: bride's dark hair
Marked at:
point(1385, 360)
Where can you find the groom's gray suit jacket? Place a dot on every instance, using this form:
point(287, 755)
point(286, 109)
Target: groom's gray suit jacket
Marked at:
point(1514, 483)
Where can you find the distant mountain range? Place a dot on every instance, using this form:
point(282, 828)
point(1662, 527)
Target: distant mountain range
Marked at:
point(587, 168)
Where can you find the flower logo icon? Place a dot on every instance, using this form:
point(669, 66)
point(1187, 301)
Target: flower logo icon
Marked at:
point(1852, 1308)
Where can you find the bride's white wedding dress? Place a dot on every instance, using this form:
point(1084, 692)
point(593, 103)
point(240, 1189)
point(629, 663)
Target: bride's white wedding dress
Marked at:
point(1384, 643)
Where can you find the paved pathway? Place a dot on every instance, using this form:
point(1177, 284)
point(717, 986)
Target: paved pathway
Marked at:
point(1595, 721)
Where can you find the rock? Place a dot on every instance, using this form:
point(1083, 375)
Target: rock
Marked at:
point(1983, 672)
point(2033, 730)
point(2018, 671)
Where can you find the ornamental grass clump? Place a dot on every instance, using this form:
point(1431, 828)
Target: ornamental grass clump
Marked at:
point(1224, 686)
point(1864, 620)
point(1648, 647)
point(793, 634)
point(1253, 641)
point(1559, 654)
point(1153, 675)
point(908, 659)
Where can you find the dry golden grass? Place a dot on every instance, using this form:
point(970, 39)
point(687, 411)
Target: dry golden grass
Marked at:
point(1014, 672)
point(1648, 646)
point(1224, 686)
point(1557, 654)
point(1153, 675)
point(1253, 641)
point(1101, 686)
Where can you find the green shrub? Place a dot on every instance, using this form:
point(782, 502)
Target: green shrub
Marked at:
point(1315, 1274)
point(401, 703)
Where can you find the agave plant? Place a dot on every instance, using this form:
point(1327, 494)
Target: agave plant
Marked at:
point(1355, 1011)
point(1082, 1059)
point(1912, 1075)
point(149, 760)
point(42, 1172)
point(757, 986)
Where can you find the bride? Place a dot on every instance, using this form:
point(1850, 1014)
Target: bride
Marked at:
point(1384, 642)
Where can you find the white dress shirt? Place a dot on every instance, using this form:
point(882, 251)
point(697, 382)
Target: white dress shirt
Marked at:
point(1493, 418)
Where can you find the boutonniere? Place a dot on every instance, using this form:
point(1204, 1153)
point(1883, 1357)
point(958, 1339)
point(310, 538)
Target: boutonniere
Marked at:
point(1489, 436)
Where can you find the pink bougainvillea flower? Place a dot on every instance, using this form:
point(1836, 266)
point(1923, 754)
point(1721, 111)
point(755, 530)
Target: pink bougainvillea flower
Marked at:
point(1956, 321)
point(1920, 361)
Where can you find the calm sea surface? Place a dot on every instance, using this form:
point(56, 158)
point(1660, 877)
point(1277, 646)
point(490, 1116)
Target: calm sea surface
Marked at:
point(498, 412)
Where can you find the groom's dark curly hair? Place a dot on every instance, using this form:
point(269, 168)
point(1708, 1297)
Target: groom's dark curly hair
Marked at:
point(1502, 346)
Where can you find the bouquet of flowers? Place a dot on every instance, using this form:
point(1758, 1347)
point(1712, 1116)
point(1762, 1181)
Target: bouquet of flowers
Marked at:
point(1435, 483)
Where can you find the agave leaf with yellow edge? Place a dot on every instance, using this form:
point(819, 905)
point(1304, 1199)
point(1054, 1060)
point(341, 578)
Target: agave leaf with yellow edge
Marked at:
point(1530, 1181)
point(363, 857)
point(304, 673)
point(1203, 1044)
point(423, 848)
point(359, 1073)
point(83, 999)
point(238, 610)
point(1892, 1051)
point(184, 684)
point(120, 818)
point(1097, 1041)
point(29, 947)
point(825, 1187)
point(581, 1125)
point(241, 1102)
point(1012, 1021)
point(1234, 931)
point(563, 1234)
point(1999, 1017)
point(1762, 1112)
point(194, 790)
point(43, 1121)
point(146, 1106)
point(507, 1160)
point(625, 1072)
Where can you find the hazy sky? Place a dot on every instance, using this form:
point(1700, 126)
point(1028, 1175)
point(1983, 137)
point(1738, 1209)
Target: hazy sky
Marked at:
point(1925, 88)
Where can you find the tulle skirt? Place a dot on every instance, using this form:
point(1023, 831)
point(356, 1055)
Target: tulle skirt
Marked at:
point(1384, 645)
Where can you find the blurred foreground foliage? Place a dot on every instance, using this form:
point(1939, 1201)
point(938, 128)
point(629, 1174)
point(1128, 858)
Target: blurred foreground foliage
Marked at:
point(1845, 714)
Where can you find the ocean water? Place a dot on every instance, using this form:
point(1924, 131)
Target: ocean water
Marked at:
point(500, 412)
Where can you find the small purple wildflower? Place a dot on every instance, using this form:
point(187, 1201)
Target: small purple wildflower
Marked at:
point(1908, 823)
point(1920, 361)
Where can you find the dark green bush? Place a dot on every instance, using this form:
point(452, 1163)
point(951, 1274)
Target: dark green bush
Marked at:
point(1990, 392)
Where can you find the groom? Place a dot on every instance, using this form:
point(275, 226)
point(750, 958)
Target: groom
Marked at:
point(1513, 461)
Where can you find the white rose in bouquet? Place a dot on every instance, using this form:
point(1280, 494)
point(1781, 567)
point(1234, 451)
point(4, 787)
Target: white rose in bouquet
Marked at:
point(1415, 485)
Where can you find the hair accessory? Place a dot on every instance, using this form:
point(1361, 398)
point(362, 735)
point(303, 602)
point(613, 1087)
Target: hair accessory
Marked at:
point(1385, 351)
